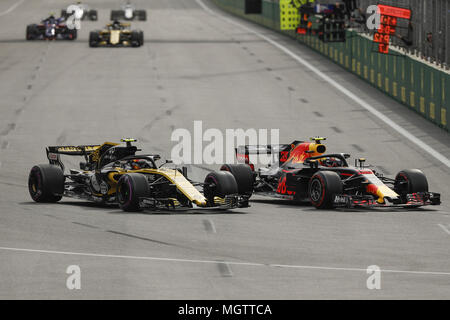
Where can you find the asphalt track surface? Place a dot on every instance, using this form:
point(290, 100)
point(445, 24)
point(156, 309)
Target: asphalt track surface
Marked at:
point(198, 66)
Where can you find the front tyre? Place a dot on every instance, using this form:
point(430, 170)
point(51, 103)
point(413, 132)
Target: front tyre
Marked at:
point(94, 39)
point(71, 34)
point(322, 188)
point(46, 183)
point(410, 181)
point(136, 38)
point(32, 32)
point(219, 184)
point(130, 188)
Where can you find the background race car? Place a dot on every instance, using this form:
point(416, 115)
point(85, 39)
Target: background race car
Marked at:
point(304, 172)
point(129, 12)
point(113, 173)
point(50, 29)
point(116, 34)
point(88, 14)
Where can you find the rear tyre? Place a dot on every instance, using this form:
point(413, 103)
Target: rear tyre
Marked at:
point(142, 15)
point(243, 175)
point(219, 184)
point(322, 188)
point(410, 181)
point(94, 39)
point(130, 188)
point(46, 183)
point(93, 15)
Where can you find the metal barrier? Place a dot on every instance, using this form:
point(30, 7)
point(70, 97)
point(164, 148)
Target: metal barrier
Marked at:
point(407, 79)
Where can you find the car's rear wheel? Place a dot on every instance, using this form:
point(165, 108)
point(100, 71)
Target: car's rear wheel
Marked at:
point(142, 15)
point(243, 175)
point(46, 183)
point(410, 181)
point(93, 15)
point(322, 188)
point(130, 188)
point(219, 184)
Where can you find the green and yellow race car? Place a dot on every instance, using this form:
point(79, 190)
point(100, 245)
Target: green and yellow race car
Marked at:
point(116, 34)
point(115, 174)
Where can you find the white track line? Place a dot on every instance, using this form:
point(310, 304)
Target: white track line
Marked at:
point(446, 229)
point(230, 263)
point(345, 91)
point(11, 8)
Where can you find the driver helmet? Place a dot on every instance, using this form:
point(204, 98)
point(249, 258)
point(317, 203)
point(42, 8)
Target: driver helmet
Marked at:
point(116, 24)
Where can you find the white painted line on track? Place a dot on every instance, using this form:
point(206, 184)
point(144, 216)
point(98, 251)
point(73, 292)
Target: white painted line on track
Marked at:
point(10, 9)
point(332, 82)
point(445, 228)
point(230, 263)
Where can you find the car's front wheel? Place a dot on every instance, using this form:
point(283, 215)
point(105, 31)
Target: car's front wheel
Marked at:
point(322, 188)
point(94, 39)
point(130, 188)
point(219, 184)
point(410, 181)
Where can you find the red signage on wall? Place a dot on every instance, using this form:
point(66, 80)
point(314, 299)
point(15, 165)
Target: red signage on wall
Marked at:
point(388, 24)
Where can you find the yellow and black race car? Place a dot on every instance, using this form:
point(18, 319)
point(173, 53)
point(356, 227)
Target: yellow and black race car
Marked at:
point(114, 173)
point(116, 34)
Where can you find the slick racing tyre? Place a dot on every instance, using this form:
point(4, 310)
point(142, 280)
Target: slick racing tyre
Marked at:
point(219, 184)
point(93, 15)
point(141, 37)
point(32, 32)
point(135, 38)
point(142, 15)
point(410, 181)
point(46, 183)
point(71, 34)
point(130, 188)
point(243, 175)
point(114, 15)
point(322, 188)
point(94, 39)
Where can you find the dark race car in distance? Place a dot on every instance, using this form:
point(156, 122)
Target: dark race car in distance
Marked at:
point(304, 171)
point(88, 14)
point(50, 29)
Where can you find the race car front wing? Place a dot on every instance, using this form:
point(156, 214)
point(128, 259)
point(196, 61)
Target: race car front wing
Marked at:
point(410, 200)
point(229, 202)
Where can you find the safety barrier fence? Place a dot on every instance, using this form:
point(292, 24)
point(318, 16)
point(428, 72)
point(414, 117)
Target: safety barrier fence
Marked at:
point(418, 85)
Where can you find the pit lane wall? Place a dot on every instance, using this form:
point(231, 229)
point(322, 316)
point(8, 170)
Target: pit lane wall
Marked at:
point(418, 85)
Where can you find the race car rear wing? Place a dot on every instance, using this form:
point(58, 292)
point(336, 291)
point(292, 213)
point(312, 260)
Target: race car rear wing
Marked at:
point(282, 150)
point(73, 150)
point(54, 152)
